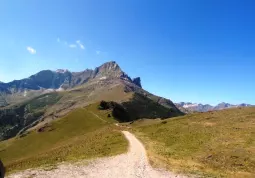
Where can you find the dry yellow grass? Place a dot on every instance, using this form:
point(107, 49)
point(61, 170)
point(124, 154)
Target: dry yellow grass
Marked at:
point(212, 144)
point(83, 134)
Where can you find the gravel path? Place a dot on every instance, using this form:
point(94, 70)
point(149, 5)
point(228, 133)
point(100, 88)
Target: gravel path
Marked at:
point(133, 164)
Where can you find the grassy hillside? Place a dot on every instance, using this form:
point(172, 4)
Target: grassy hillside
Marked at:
point(86, 94)
point(84, 133)
point(219, 143)
point(140, 106)
point(137, 107)
point(16, 117)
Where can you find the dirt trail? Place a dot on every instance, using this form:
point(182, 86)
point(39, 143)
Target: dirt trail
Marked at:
point(133, 164)
point(97, 116)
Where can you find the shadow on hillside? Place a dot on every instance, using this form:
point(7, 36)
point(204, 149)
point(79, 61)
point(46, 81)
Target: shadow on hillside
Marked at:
point(138, 107)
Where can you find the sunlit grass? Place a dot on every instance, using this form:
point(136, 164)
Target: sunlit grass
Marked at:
point(79, 135)
point(220, 143)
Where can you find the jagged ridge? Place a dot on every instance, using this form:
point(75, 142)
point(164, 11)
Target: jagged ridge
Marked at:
point(64, 79)
point(188, 106)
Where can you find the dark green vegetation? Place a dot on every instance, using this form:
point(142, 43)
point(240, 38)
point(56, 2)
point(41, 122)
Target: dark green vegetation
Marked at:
point(218, 143)
point(17, 117)
point(84, 133)
point(139, 106)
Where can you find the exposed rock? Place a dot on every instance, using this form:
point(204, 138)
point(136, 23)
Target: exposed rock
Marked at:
point(62, 71)
point(137, 81)
point(63, 79)
point(79, 78)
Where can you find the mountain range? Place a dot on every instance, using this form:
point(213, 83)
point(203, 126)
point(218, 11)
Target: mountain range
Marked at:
point(52, 94)
point(191, 107)
point(48, 95)
point(60, 79)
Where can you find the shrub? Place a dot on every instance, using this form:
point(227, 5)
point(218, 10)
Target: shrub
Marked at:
point(164, 122)
point(103, 105)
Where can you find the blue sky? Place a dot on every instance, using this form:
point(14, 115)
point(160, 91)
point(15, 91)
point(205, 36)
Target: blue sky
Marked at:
point(198, 51)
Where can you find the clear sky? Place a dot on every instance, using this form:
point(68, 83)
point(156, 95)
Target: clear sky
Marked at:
point(185, 50)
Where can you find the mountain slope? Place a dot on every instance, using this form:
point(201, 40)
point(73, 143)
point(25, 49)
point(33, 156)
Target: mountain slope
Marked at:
point(47, 80)
point(14, 119)
point(83, 134)
point(107, 82)
point(2, 101)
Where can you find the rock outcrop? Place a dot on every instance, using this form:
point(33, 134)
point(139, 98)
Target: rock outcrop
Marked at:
point(137, 81)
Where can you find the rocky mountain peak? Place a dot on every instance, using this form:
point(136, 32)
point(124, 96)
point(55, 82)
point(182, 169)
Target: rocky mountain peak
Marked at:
point(112, 65)
point(62, 71)
point(62, 78)
point(223, 104)
point(108, 70)
point(244, 105)
point(206, 107)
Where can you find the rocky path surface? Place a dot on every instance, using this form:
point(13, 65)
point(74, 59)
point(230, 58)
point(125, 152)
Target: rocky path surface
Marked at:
point(133, 164)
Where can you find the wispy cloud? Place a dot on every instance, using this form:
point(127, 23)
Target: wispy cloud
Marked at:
point(80, 44)
point(98, 52)
point(31, 50)
point(72, 46)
